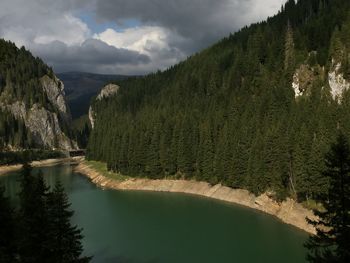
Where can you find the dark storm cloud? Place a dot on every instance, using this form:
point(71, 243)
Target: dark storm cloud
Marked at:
point(91, 54)
point(202, 22)
point(187, 17)
point(165, 31)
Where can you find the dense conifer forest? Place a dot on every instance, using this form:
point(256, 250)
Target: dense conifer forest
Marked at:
point(332, 240)
point(229, 114)
point(20, 75)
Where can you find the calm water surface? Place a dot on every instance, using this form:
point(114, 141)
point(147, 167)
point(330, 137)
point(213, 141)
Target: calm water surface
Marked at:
point(143, 227)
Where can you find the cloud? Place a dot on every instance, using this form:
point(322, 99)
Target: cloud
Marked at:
point(91, 55)
point(39, 21)
point(201, 21)
point(166, 32)
point(153, 41)
point(53, 31)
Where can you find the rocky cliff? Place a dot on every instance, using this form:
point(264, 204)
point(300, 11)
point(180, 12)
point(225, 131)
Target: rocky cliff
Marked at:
point(33, 109)
point(306, 75)
point(337, 82)
point(48, 125)
point(107, 91)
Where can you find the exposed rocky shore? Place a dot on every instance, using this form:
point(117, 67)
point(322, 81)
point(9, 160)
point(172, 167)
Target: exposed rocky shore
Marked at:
point(288, 211)
point(4, 169)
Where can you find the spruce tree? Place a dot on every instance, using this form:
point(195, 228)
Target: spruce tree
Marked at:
point(206, 155)
point(332, 241)
point(7, 230)
point(34, 226)
point(66, 244)
point(289, 59)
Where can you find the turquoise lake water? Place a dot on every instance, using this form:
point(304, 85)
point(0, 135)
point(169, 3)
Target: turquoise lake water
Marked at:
point(147, 227)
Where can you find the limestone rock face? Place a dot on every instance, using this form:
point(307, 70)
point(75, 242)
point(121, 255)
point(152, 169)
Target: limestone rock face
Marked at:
point(336, 81)
point(304, 77)
point(54, 89)
point(92, 117)
point(46, 129)
point(46, 126)
point(107, 91)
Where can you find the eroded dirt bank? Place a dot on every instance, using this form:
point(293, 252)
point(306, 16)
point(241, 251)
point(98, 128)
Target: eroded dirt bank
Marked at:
point(288, 211)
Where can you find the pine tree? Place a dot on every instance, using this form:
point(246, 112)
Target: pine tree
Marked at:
point(153, 165)
point(164, 149)
point(223, 159)
point(185, 149)
point(289, 59)
point(206, 155)
point(315, 182)
point(332, 242)
point(7, 230)
point(336, 49)
point(34, 227)
point(66, 245)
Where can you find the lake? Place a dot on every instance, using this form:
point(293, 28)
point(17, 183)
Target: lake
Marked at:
point(147, 227)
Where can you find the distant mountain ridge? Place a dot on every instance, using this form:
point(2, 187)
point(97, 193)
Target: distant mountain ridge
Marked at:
point(81, 87)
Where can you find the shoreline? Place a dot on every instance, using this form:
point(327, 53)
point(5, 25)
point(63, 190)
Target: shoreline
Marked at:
point(4, 169)
point(289, 211)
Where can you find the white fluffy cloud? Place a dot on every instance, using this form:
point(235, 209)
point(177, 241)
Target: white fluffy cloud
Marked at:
point(169, 30)
point(152, 41)
point(28, 22)
point(75, 31)
point(142, 39)
point(202, 21)
point(52, 30)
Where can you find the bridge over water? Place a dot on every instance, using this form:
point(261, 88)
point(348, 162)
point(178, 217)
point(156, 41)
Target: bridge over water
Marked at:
point(75, 153)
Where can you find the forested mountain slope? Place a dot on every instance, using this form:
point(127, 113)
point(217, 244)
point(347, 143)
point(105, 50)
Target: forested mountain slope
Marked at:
point(33, 111)
point(258, 110)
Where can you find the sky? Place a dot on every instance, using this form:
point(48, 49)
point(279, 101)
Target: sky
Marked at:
point(124, 36)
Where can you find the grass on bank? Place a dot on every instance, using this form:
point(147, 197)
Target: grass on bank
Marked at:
point(102, 169)
point(313, 205)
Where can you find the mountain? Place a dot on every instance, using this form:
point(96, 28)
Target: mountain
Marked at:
point(81, 87)
point(257, 111)
point(33, 110)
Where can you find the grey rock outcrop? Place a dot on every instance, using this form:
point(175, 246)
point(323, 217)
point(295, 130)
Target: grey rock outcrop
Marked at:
point(107, 91)
point(46, 129)
point(45, 126)
point(336, 80)
point(54, 89)
point(304, 78)
point(92, 117)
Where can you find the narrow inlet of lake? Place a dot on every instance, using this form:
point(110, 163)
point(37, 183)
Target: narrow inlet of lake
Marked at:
point(147, 227)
